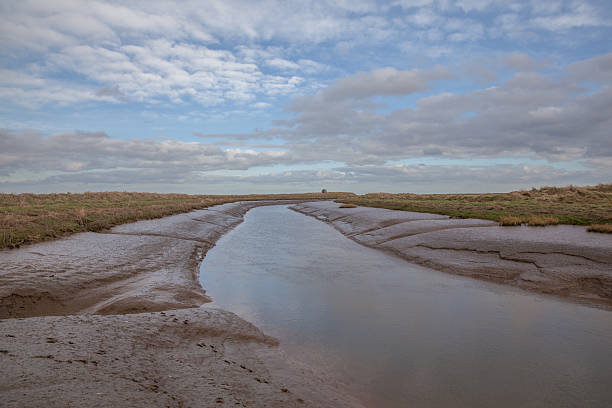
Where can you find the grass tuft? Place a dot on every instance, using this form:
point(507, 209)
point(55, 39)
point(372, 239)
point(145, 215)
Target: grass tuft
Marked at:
point(541, 221)
point(509, 221)
point(605, 228)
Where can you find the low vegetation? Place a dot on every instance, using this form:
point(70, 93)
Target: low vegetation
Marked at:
point(29, 218)
point(510, 221)
point(348, 206)
point(589, 205)
point(601, 228)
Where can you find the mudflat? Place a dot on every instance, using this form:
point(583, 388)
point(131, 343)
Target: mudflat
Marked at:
point(116, 318)
point(563, 260)
point(95, 319)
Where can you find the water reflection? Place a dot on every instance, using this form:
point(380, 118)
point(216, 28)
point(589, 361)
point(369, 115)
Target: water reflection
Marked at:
point(405, 335)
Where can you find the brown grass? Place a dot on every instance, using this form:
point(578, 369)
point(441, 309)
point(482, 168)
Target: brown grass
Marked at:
point(29, 218)
point(510, 221)
point(605, 228)
point(348, 206)
point(541, 221)
point(544, 206)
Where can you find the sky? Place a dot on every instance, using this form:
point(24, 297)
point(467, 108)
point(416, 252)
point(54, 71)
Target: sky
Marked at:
point(222, 96)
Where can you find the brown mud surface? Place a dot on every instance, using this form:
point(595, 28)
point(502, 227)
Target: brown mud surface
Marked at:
point(139, 267)
point(103, 319)
point(563, 260)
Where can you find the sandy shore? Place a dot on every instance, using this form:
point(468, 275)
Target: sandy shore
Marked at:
point(565, 261)
point(103, 319)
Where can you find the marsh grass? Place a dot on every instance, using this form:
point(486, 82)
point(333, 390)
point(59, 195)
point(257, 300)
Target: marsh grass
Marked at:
point(510, 221)
point(544, 206)
point(29, 218)
point(605, 228)
point(348, 206)
point(541, 221)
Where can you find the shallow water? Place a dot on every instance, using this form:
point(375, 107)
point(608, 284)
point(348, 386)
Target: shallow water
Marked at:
point(402, 335)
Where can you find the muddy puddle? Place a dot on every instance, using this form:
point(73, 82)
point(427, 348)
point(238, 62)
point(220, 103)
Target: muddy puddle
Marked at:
point(397, 334)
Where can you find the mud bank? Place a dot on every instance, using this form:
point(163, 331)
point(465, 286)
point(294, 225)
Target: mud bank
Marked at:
point(92, 320)
point(200, 357)
point(563, 260)
point(139, 267)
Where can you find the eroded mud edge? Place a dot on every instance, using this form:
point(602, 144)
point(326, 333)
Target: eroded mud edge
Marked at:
point(578, 272)
point(112, 354)
point(146, 266)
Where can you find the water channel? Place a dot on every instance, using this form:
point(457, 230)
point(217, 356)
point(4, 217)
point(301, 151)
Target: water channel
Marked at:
point(399, 334)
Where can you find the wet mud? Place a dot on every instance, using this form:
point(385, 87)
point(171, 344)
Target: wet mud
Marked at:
point(565, 261)
point(114, 319)
point(200, 357)
point(139, 267)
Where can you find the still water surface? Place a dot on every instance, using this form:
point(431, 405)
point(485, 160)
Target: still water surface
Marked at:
point(402, 335)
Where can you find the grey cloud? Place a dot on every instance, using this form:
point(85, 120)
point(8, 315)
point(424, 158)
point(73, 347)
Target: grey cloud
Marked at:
point(466, 178)
point(597, 69)
point(86, 151)
point(113, 92)
point(530, 114)
point(357, 178)
point(522, 62)
point(384, 81)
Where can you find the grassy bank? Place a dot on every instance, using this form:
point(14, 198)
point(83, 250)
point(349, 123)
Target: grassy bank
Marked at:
point(29, 218)
point(590, 205)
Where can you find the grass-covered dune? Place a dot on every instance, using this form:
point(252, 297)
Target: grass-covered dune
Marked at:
point(29, 218)
point(589, 205)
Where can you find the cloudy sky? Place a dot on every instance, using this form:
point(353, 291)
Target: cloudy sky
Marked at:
point(221, 96)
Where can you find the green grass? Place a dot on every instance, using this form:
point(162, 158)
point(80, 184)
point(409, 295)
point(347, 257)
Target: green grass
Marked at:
point(29, 218)
point(545, 206)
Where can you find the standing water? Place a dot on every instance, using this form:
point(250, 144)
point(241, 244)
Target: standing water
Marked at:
point(402, 335)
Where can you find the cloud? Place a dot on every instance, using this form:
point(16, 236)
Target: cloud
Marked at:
point(365, 84)
point(156, 70)
point(218, 52)
point(543, 116)
point(577, 14)
point(95, 151)
point(522, 62)
point(380, 82)
point(529, 115)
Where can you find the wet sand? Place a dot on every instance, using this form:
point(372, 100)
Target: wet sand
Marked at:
point(564, 260)
point(94, 320)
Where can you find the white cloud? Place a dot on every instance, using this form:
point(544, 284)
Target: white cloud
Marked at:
point(579, 14)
